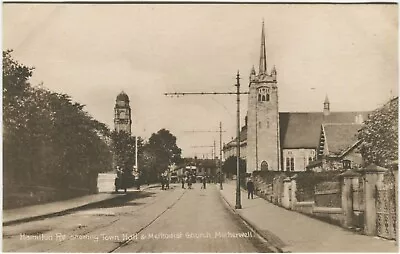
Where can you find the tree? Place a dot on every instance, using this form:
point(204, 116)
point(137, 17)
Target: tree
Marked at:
point(162, 151)
point(124, 150)
point(48, 139)
point(379, 136)
point(230, 166)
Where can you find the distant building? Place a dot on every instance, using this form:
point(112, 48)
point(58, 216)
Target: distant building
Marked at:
point(283, 141)
point(122, 113)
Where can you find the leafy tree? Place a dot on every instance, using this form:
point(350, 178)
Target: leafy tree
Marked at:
point(123, 145)
point(47, 138)
point(379, 136)
point(230, 166)
point(161, 151)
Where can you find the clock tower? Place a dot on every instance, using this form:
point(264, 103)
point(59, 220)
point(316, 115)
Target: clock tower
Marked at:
point(122, 113)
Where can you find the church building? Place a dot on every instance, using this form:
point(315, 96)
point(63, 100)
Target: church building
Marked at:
point(283, 141)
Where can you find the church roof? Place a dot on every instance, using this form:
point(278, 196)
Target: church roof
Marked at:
point(302, 130)
point(340, 137)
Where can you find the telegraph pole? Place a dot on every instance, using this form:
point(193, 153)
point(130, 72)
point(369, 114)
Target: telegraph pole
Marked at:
point(220, 154)
point(238, 93)
point(238, 203)
point(256, 137)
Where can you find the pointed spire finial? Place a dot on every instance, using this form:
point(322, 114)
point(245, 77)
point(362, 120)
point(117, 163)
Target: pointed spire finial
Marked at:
point(273, 71)
point(263, 52)
point(253, 71)
point(326, 99)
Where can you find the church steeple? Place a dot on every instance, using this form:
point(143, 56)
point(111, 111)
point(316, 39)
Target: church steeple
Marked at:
point(326, 106)
point(263, 53)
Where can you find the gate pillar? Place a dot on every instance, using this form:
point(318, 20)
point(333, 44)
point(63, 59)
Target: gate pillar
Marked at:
point(293, 200)
point(373, 175)
point(286, 192)
point(348, 179)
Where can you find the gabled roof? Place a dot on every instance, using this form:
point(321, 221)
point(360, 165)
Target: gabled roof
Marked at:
point(340, 137)
point(302, 129)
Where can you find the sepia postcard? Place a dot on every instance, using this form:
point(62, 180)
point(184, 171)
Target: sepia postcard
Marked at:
point(200, 127)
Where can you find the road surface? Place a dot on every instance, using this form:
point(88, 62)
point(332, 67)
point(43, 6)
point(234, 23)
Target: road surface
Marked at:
point(154, 220)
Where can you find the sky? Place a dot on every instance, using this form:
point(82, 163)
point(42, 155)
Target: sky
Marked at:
point(93, 52)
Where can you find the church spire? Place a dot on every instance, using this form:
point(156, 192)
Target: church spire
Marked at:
point(263, 53)
point(326, 106)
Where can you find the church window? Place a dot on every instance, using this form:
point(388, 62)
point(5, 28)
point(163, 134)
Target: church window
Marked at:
point(263, 94)
point(267, 124)
point(291, 164)
point(346, 164)
point(287, 164)
point(259, 124)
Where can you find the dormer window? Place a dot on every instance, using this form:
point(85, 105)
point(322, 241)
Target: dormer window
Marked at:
point(263, 94)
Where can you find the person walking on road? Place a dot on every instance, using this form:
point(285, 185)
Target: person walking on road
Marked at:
point(204, 179)
point(162, 182)
point(250, 188)
point(183, 182)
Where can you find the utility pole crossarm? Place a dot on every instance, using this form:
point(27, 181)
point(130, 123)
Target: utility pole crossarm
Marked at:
point(204, 93)
point(203, 131)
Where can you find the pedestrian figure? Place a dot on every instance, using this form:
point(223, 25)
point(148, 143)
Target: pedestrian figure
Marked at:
point(189, 182)
point(183, 182)
point(250, 188)
point(204, 182)
point(162, 181)
point(137, 180)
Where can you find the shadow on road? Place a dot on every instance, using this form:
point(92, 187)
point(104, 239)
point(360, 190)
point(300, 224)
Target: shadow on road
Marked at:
point(121, 201)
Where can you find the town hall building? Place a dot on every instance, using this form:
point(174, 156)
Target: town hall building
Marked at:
point(286, 141)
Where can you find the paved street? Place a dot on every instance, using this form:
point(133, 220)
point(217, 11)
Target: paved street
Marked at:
point(153, 220)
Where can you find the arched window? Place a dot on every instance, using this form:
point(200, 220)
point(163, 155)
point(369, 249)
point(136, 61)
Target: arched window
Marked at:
point(263, 94)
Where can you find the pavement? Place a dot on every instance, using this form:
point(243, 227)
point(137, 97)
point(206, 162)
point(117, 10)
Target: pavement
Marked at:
point(290, 231)
point(41, 211)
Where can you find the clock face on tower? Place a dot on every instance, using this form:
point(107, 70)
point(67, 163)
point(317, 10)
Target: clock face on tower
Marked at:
point(122, 114)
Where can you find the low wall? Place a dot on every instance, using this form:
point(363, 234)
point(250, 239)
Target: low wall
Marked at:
point(332, 215)
point(304, 207)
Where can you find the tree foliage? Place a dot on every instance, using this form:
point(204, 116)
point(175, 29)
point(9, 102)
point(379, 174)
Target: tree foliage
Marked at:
point(124, 149)
point(159, 152)
point(48, 139)
point(379, 136)
point(230, 166)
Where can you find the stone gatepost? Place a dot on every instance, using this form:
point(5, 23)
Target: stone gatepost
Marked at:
point(373, 176)
point(349, 178)
point(293, 200)
point(285, 195)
